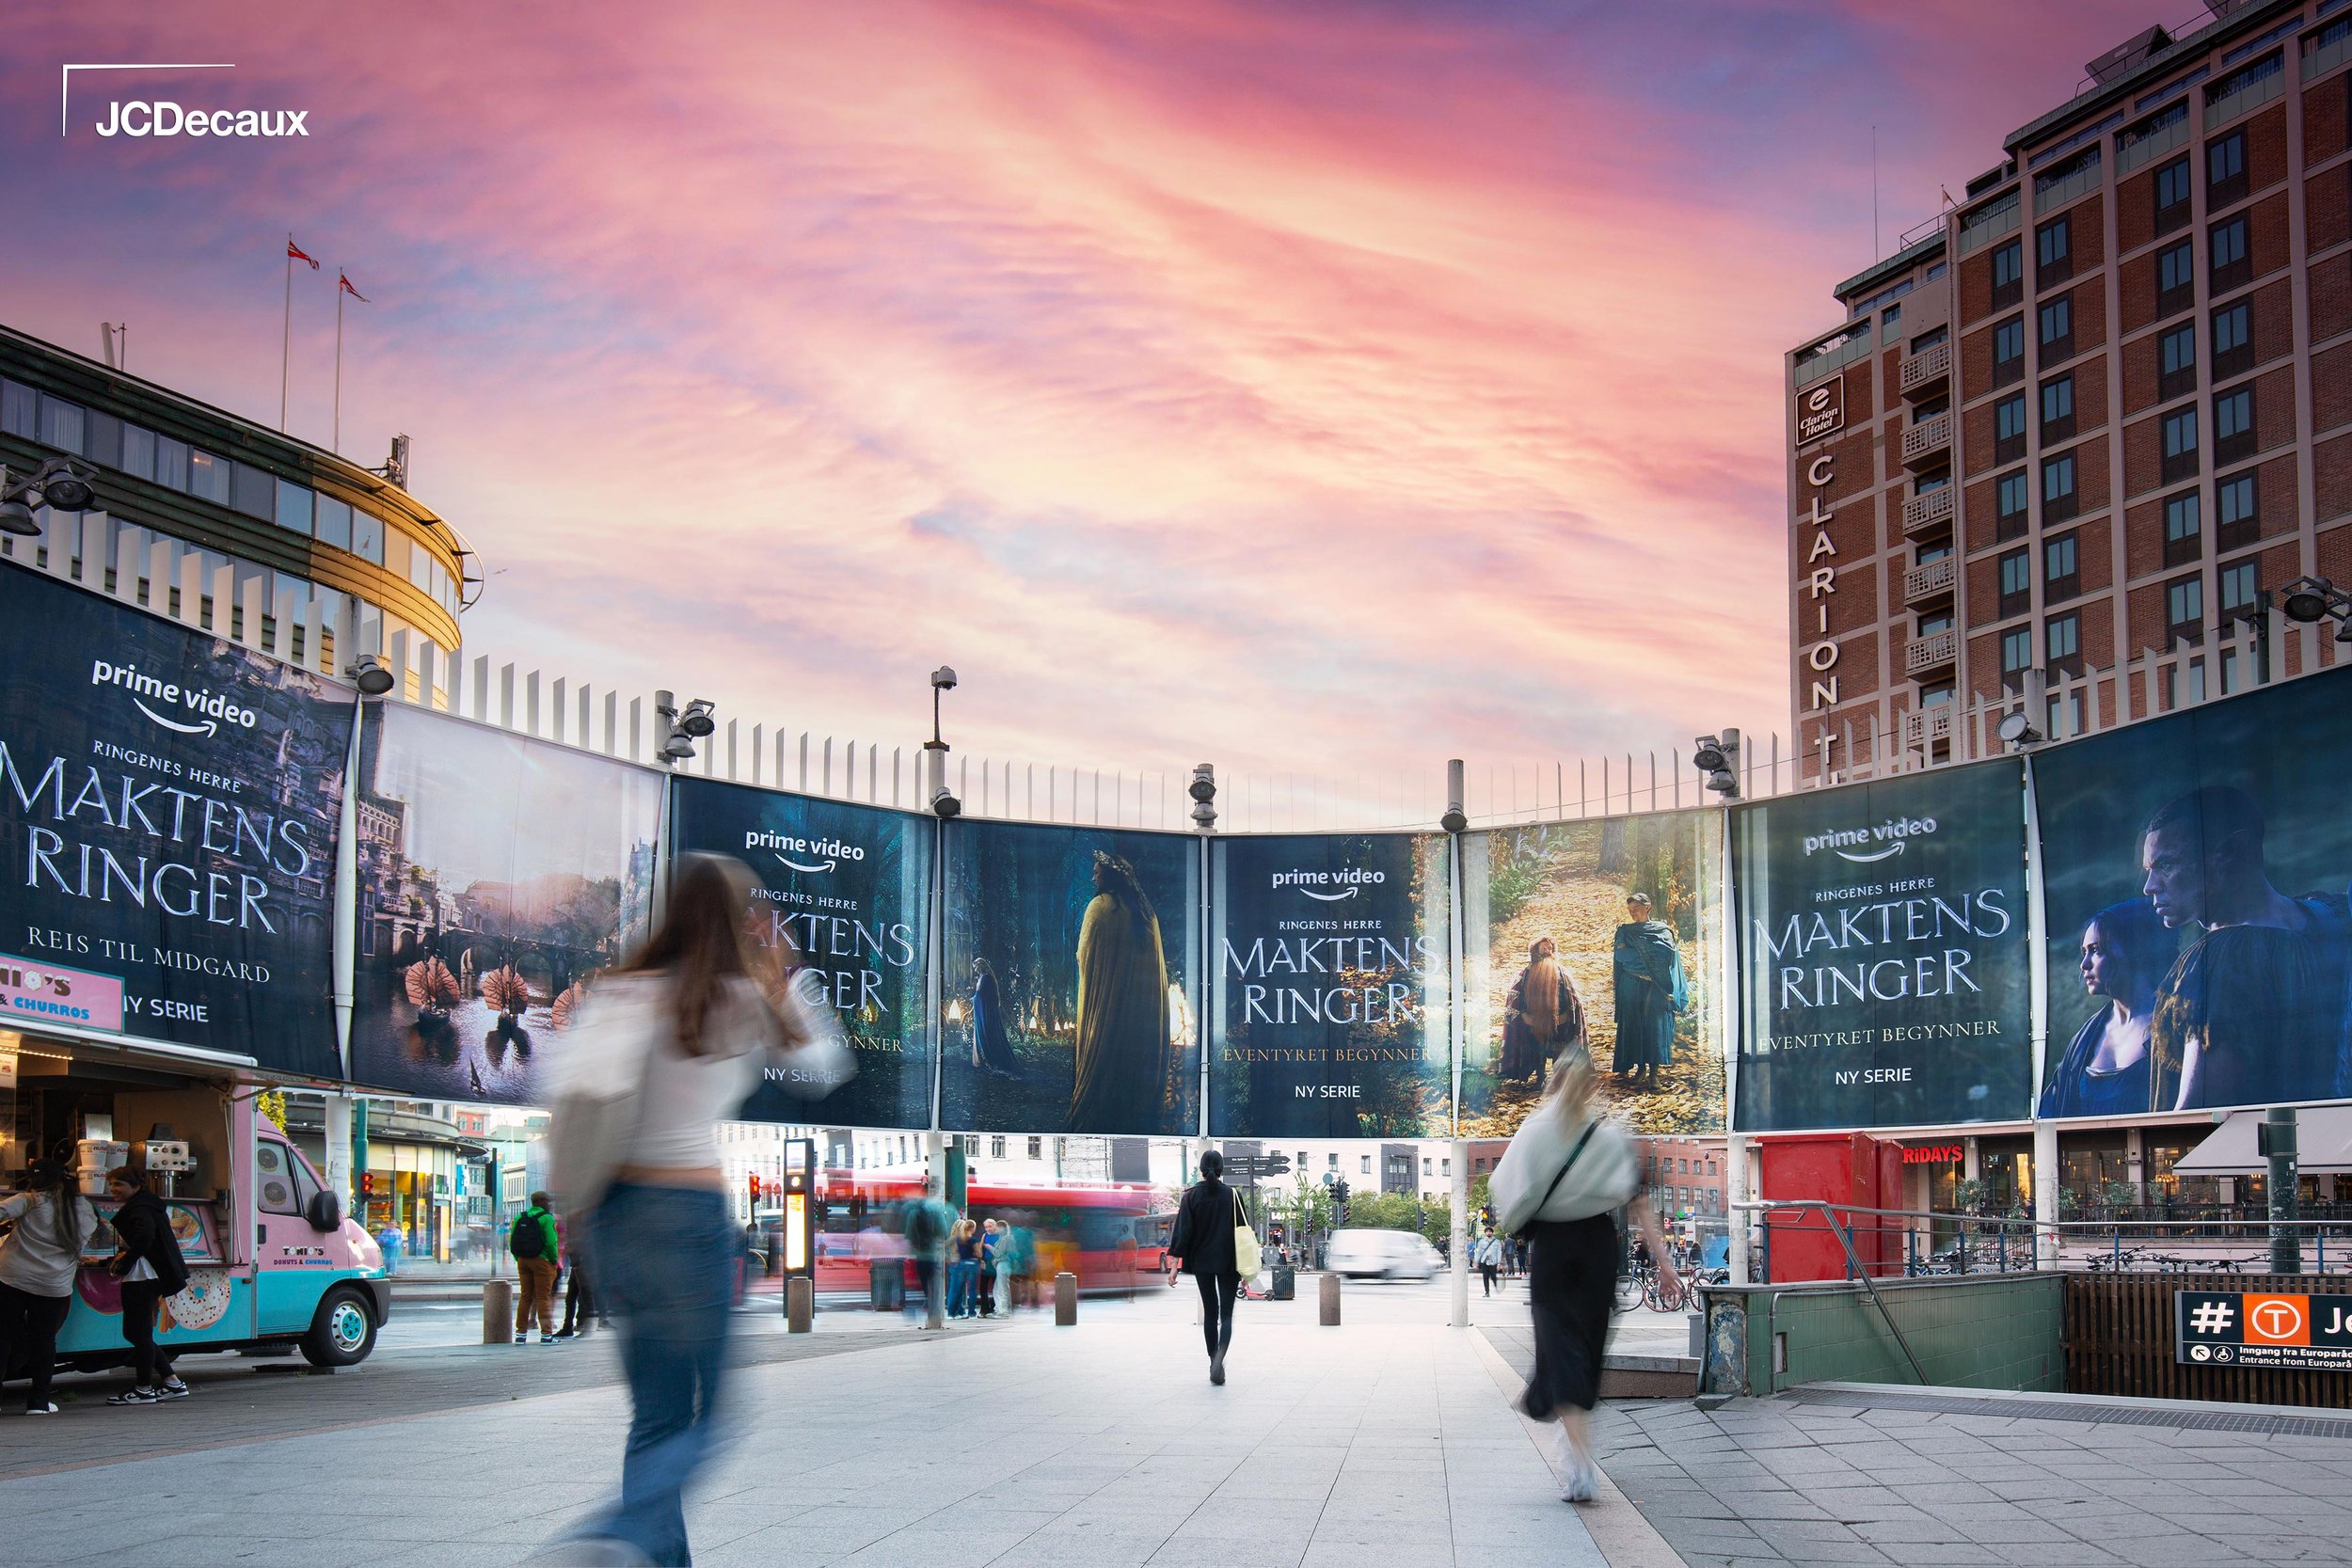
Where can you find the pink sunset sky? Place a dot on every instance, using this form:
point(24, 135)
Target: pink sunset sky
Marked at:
point(1327, 388)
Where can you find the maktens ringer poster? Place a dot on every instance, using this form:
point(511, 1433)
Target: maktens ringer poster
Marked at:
point(1883, 941)
point(1600, 937)
point(1072, 980)
point(168, 804)
point(2197, 871)
point(498, 874)
point(849, 888)
point(1330, 1009)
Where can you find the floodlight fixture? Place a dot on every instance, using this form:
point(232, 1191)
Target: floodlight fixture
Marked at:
point(2016, 729)
point(371, 676)
point(1717, 756)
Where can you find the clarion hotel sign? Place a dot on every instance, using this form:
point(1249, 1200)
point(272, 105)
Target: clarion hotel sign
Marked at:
point(1821, 411)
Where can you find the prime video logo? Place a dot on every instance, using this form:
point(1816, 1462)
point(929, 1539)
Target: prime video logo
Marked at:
point(1343, 885)
point(162, 117)
point(1865, 845)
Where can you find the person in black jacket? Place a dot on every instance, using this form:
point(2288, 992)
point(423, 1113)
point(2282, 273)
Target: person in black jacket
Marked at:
point(149, 1266)
point(1201, 1245)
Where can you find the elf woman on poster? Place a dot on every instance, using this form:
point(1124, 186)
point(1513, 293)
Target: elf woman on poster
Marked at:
point(1125, 1066)
point(1650, 992)
point(1544, 1018)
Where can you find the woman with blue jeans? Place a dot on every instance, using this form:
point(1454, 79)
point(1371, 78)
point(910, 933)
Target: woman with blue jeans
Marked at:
point(713, 1003)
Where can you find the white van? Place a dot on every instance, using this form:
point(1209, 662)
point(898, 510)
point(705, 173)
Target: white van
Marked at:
point(1381, 1254)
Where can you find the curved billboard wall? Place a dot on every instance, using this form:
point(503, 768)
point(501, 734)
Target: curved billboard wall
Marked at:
point(1599, 935)
point(1330, 1001)
point(1072, 980)
point(1885, 970)
point(849, 887)
point(497, 874)
point(2197, 869)
point(169, 807)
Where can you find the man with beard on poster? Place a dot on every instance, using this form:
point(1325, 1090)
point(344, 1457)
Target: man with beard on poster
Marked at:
point(1651, 992)
point(1542, 1017)
point(2254, 1011)
point(1124, 1065)
point(991, 1048)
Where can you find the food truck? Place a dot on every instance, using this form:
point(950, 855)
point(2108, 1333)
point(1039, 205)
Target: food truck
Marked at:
point(272, 1262)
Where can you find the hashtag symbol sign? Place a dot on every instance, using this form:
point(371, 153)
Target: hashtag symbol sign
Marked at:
point(2210, 1317)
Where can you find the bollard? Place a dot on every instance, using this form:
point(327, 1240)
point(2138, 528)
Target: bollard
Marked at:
point(1327, 1295)
point(1065, 1299)
point(800, 1303)
point(498, 1313)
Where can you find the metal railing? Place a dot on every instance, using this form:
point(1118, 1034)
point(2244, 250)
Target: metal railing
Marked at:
point(1933, 510)
point(1937, 576)
point(1929, 367)
point(1930, 651)
point(1930, 437)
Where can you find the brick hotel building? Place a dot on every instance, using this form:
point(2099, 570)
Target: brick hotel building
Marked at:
point(2103, 407)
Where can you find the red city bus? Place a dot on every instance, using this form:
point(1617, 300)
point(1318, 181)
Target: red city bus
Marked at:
point(1108, 1235)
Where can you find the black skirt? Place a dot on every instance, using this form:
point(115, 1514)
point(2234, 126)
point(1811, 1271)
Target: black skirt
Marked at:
point(1572, 1285)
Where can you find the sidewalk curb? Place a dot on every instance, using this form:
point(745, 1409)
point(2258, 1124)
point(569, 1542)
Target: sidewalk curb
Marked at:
point(1626, 1539)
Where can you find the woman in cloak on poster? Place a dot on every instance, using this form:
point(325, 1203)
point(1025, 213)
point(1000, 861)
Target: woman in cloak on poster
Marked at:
point(1543, 1018)
point(1651, 992)
point(992, 1046)
point(1124, 1061)
point(2105, 1072)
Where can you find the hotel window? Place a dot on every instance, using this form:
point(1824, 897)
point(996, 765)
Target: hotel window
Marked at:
point(208, 476)
point(2010, 518)
point(252, 491)
point(367, 537)
point(2054, 256)
point(2233, 425)
point(2176, 353)
point(2009, 352)
point(2016, 583)
point(2057, 409)
point(2061, 569)
point(2237, 511)
point(2060, 500)
point(2231, 264)
point(2225, 169)
point(332, 521)
point(20, 410)
point(2063, 640)
point(2233, 339)
point(2176, 279)
point(293, 507)
point(2183, 529)
point(2241, 589)
point(2016, 650)
point(2008, 274)
point(62, 424)
point(2008, 429)
point(2180, 445)
point(2057, 329)
point(2172, 194)
point(2185, 608)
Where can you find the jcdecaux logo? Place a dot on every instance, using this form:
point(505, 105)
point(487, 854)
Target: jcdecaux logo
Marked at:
point(164, 117)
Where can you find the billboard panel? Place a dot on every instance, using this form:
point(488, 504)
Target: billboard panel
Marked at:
point(1881, 933)
point(168, 805)
point(1329, 1012)
point(1599, 935)
point(1073, 958)
point(849, 887)
point(497, 874)
point(2197, 869)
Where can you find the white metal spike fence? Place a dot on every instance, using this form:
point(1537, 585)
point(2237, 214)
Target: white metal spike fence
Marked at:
point(169, 578)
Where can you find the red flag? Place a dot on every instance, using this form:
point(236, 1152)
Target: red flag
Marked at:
point(297, 253)
point(342, 281)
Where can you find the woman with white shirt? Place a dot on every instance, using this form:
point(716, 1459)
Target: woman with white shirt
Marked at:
point(709, 999)
point(39, 1259)
point(1559, 1186)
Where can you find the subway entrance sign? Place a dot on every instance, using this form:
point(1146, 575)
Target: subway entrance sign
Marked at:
point(2246, 1328)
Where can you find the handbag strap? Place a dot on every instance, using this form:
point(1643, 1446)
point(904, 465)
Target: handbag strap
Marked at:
point(1590, 1128)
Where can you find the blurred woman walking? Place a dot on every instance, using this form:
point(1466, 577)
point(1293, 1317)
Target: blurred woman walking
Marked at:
point(1201, 1245)
point(667, 1046)
point(1560, 1184)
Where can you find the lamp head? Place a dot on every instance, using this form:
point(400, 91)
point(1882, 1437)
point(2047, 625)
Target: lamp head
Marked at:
point(2016, 729)
point(17, 518)
point(371, 676)
point(1709, 757)
point(678, 747)
point(944, 805)
point(697, 720)
point(63, 488)
point(2307, 599)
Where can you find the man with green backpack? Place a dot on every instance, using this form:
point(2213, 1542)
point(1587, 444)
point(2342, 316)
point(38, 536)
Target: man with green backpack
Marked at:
point(532, 1241)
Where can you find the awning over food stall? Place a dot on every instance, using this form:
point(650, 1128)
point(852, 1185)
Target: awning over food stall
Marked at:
point(2322, 1135)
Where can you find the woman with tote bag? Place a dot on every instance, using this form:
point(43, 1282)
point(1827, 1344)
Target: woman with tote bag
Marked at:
point(1559, 1187)
point(1209, 1244)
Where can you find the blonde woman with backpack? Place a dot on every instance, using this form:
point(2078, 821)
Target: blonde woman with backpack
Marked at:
point(1559, 1187)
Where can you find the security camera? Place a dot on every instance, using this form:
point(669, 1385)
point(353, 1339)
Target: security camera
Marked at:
point(945, 678)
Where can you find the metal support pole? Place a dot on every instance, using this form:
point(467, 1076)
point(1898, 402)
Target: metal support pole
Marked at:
point(2278, 1148)
point(336, 1125)
point(1876, 1300)
point(935, 1154)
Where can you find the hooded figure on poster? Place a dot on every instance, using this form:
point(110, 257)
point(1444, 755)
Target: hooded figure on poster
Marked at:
point(1542, 1017)
point(1650, 990)
point(1125, 1063)
point(992, 1046)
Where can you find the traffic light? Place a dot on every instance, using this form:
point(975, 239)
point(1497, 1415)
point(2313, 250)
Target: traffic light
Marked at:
point(1339, 1202)
point(755, 1182)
